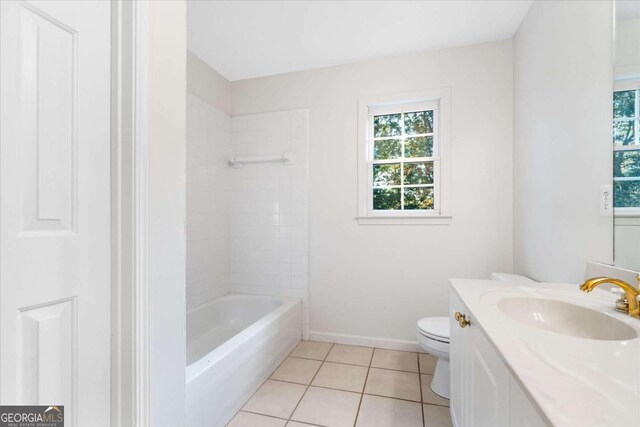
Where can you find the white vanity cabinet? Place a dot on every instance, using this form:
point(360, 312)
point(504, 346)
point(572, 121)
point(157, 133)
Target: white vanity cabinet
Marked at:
point(483, 392)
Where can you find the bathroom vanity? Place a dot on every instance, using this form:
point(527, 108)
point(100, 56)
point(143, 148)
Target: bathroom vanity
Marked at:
point(541, 354)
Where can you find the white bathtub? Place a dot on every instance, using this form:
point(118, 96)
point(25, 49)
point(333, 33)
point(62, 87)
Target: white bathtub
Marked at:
point(233, 344)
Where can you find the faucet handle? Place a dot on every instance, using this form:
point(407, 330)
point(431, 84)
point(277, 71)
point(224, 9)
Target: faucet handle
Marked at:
point(622, 305)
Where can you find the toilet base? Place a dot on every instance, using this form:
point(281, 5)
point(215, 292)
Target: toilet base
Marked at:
point(440, 380)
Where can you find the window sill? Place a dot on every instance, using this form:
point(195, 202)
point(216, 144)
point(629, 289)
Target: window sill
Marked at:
point(626, 212)
point(404, 219)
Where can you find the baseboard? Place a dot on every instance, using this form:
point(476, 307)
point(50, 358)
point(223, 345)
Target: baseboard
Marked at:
point(365, 341)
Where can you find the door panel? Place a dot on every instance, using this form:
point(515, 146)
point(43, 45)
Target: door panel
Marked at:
point(489, 385)
point(55, 206)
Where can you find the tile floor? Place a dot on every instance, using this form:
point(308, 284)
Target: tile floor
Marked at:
point(335, 385)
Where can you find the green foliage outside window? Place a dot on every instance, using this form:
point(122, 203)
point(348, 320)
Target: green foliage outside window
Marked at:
point(403, 173)
point(626, 161)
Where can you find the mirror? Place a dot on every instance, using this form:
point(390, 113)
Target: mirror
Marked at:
point(626, 135)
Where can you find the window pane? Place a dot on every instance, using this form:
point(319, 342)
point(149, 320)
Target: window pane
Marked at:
point(626, 194)
point(386, 198)
point(418, 173)
point(384, 175)
point(418, 198)
point(624, 103)
point(626, 163)
point(421, 146)
point(387, 149)
point(418, 122)
point(388, 125)
point(623, 133)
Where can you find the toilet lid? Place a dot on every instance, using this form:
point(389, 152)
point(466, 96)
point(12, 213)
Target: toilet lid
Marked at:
point(438, 327)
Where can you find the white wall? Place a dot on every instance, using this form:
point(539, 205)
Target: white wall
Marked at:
point(627, 53)
point(377, 281)
point(207, 84)
point(269, 234)
point(167, 110)
point(562, 139)
point(208, 189)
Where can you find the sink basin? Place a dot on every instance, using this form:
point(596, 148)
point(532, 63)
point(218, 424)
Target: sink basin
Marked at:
point(565, 318)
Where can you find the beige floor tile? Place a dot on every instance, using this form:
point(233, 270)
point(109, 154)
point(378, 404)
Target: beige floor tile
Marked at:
point(312, 350)
point(428, 396)
point(393, 359)
point(333, 408)
point(403, 385)
point(275, 398)
point(383, 412)
point(437, 416)
point(351, 354)
point(297, 424)
point(246, 419)
point(343, 377)
point(427, 363)
point(297, 370)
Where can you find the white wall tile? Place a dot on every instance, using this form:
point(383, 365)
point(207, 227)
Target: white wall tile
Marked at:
point(208, 191)
point(268, 205)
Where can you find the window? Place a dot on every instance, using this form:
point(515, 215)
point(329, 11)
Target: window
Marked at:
point(401, 160)
point(626, 146)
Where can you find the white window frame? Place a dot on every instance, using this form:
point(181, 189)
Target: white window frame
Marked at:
point(623, 85)
point(438, 100)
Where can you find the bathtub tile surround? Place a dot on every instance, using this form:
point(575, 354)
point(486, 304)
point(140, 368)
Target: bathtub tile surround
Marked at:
point(208, 149)
point(247, 228)
point(269, 207)
point(347, 391)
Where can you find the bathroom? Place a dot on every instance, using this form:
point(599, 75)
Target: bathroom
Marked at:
point(282, 142)
point(321, 213)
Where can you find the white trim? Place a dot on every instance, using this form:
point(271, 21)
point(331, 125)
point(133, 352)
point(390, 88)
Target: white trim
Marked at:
point(142, 325)
point(130, 380)
point(404, 220)
point(366, 341)
point(628, 221)
point(438, 99)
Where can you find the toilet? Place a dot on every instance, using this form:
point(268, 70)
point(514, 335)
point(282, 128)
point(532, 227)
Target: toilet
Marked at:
point(433, 337)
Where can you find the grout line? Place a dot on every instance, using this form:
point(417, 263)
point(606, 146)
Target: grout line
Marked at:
point(307, 389)
point(357, 392)
point(421, 396)
point(258, 413)
point(263, 383)
point(319, 386)
point(305, 423)
point(363, 388)
point(362, 366)
point(362, 393)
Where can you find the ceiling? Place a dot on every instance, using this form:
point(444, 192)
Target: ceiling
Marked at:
point(246, 39)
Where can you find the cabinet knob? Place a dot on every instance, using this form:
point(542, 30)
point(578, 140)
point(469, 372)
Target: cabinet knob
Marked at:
point(462, 319)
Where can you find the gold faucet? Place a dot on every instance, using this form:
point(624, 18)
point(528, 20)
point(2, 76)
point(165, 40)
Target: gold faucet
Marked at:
point(629, 304)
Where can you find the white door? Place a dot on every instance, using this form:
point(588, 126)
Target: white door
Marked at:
point(55, 206)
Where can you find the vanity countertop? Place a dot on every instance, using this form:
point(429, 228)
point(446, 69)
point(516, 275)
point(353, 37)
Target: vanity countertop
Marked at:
point(572, 380)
